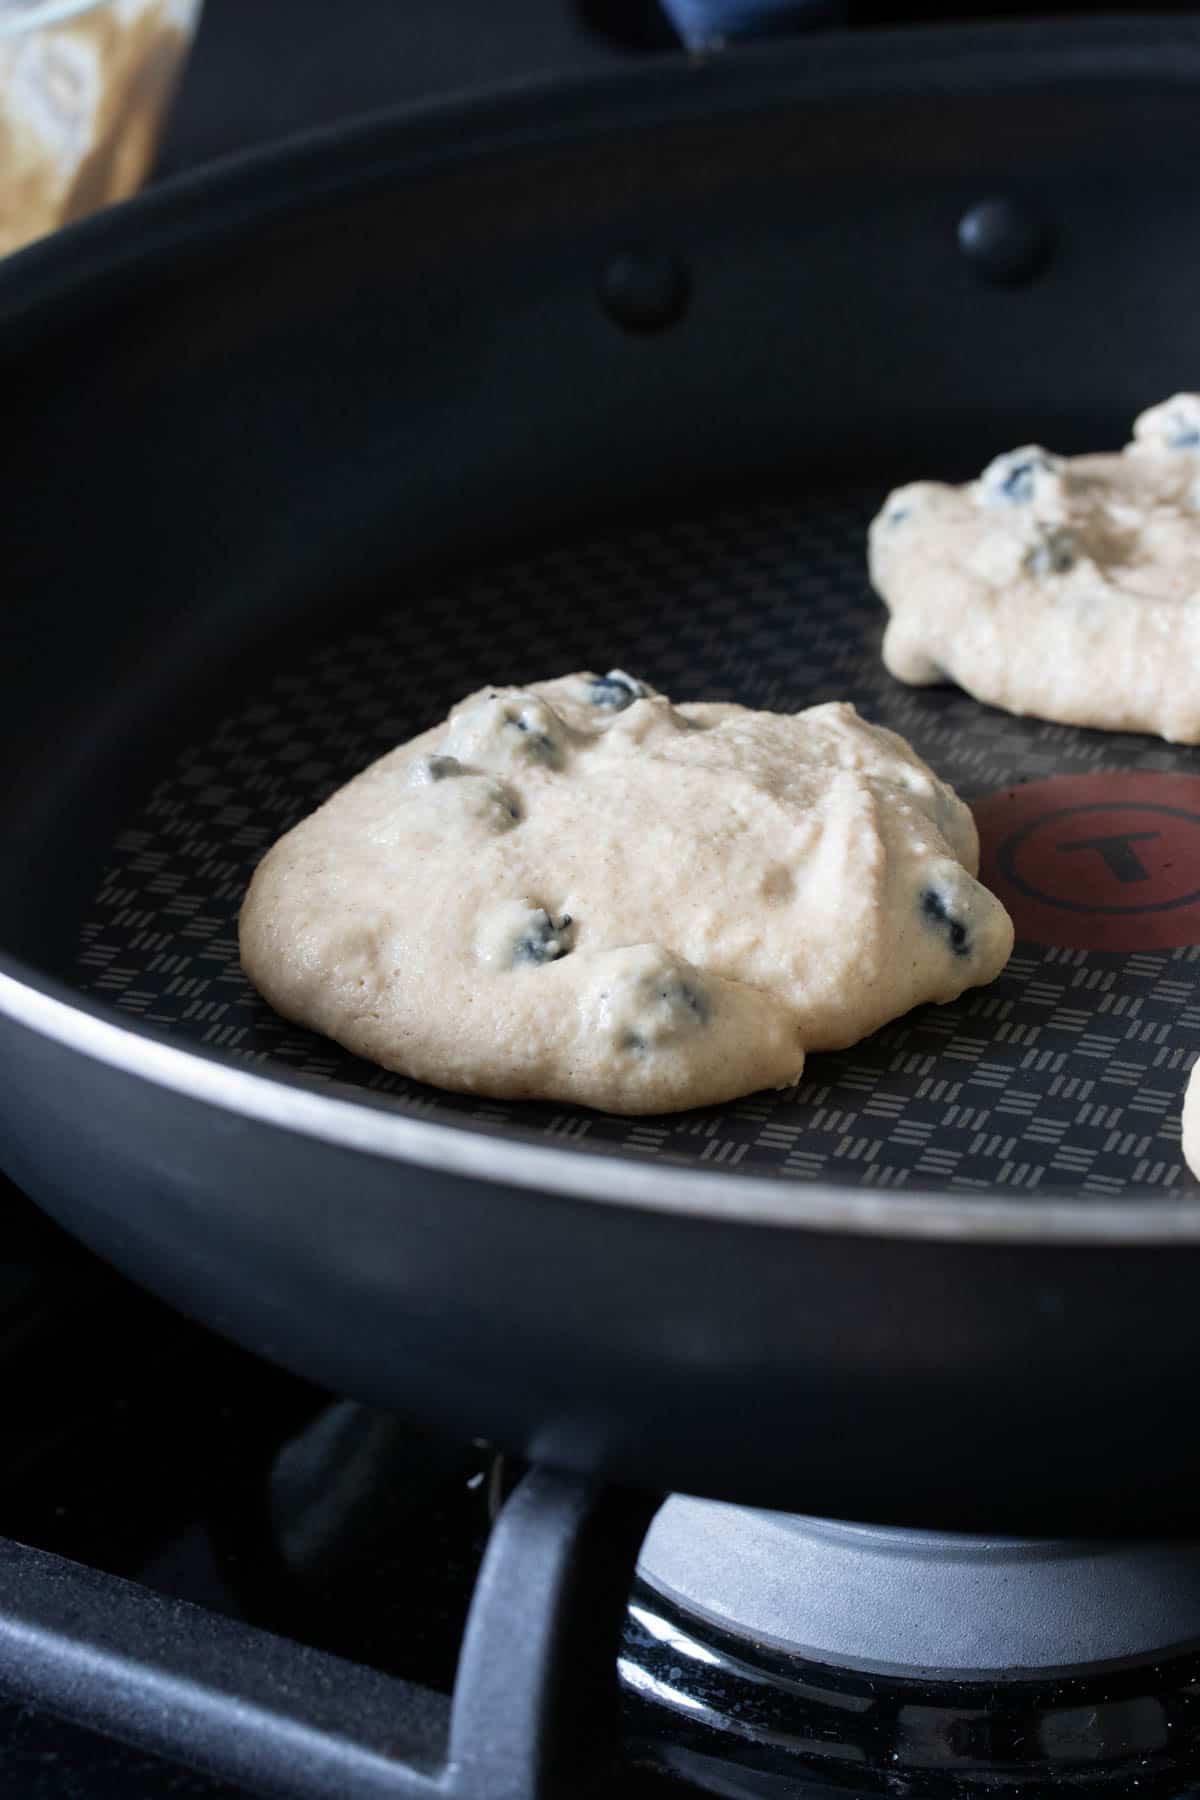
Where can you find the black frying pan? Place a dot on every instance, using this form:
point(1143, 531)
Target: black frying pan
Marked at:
point(298, 451)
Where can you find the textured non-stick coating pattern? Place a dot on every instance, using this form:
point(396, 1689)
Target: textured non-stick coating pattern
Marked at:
point(1067, 1073)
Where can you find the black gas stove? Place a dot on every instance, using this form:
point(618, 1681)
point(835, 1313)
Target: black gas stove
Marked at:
point(207, 1564)
point(217, 1580)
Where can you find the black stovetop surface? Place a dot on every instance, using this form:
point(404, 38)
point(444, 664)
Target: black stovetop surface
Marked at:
point(143, 1446)
point(140, 1445)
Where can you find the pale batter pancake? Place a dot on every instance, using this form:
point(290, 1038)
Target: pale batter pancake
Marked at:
point(580, 892)
point(1068, 588)
point(1191, 1121)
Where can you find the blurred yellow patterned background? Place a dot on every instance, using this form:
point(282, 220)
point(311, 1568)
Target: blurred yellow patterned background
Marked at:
point(84, 90)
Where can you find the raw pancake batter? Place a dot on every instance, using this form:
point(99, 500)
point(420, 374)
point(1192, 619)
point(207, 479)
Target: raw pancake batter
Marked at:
point(580, 892)
point(1191, 1121)
point(1065, 588)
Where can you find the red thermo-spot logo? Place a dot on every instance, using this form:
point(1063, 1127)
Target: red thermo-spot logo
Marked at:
point(1097, 862)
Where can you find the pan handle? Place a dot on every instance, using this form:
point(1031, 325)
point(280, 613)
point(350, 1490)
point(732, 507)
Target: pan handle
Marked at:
point(704, 23)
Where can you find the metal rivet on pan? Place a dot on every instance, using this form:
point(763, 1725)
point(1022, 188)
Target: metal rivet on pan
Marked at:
point(1003, 241)
point(644, 290)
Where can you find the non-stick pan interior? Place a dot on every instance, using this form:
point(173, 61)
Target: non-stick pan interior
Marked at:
point(280, 397)
point(1065, 1074)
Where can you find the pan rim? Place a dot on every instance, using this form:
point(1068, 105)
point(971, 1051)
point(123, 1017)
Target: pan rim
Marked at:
point(221, 202)
point(377, 1127)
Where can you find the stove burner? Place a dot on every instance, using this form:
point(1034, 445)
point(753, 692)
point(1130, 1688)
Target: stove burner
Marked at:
point(920, 1602)
point(796, 1658)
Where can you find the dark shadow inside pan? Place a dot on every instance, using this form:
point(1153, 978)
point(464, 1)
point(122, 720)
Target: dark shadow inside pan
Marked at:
point(1067, 1073)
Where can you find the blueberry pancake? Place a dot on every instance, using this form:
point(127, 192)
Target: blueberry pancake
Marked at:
point(578, 891)
point(1191, 1121)
point(1067, 588)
